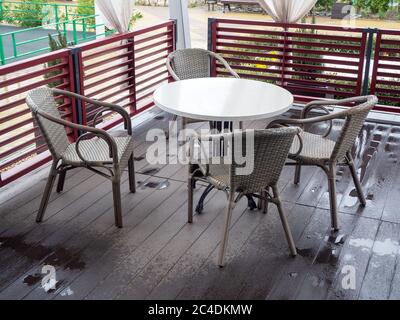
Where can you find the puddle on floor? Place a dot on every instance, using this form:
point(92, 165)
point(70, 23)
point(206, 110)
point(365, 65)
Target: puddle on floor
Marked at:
point(387, 247)
point(336, 239)
point(364, 244)
point(163, 185)
point(54, 256)
point(328, 255)
point(150, 184)
point(156, 185)
point(150, 171)
point(353, 193)
point(306, 253)
point(57, 286)
point(32, 279)
point(159, 117)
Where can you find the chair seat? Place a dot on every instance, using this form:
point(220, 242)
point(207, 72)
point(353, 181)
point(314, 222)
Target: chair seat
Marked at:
point(316, 148)
point(97, 150)
point(219, 175)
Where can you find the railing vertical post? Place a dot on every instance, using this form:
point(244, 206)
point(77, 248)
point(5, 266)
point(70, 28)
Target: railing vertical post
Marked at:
point(76, 76)
point(66, 12)
point(55, 6)
point(212, 43)
point(174, 39)
point(14, 44)
point(2, 55)
point(83, 29)
point(75, 37)
point(65, 30)
point(368, 55)
point(174, 34)
point(1, 10)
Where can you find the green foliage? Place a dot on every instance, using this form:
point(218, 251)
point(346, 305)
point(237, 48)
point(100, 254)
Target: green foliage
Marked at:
point(309, 69)
point(86, 8)
point(135, 16)
point(379, 6)
point(361, 4)
point(29, 13)
point(55, 44)
point(325, 4)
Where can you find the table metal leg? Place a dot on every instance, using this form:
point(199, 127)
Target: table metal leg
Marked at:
point(200, 204)
point(219, 126)
point(250, 202)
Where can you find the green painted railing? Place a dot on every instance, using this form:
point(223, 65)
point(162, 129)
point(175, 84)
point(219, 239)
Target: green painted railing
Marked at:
point(65, 18)
point(75, 31)
point(51, 12)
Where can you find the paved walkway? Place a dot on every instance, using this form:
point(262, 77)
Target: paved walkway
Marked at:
point(198, 21)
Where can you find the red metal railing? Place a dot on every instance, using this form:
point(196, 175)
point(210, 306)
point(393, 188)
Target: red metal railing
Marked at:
point(385, 80)
point(311, 61)
point(125, 69)
point(22, 147)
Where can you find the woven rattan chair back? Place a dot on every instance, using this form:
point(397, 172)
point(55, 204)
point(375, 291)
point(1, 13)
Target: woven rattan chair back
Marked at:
point(271, 147)
point(355, 118)
point(190, 63)
point(54, 133)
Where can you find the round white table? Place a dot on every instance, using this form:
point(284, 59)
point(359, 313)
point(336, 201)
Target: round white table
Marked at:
point(222, 100)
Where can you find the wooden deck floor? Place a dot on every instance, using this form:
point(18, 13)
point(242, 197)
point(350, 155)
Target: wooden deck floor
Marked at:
point(158, 256)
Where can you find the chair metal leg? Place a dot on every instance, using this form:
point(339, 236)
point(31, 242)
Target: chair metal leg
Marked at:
point(297, 173)
point(61, 180)
point(117, 201)
point(228, 218)
point(131, 173)
point(356, 180)
point(171, 126)
point(265, 203)
point(332, 195)
point(260, 201)
point(47, 191)
point(190, 199)
point(200, 204)
point(284, 221)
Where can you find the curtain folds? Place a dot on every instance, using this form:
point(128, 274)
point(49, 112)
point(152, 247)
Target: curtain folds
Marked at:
point(287, 11)
point(117, 13)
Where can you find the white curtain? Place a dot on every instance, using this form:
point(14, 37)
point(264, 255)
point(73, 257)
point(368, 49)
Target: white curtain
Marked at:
point(287, 11)
point(117, 13)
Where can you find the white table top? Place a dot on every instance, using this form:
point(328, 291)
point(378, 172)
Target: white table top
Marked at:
point(223, 99)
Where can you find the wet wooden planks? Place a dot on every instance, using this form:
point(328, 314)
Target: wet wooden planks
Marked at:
point(157, 255)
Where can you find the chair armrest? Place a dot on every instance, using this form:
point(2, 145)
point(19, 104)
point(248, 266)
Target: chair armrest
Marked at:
point(170, 70)
point(321, 104)
point(303, 121)
point(90, 130)
point(276, 124)
point(105, 106)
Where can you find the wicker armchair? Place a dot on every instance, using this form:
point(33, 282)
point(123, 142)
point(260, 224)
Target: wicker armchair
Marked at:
point(95, 150)
point(271, 148)
point(193, 63)
point(325, 153)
